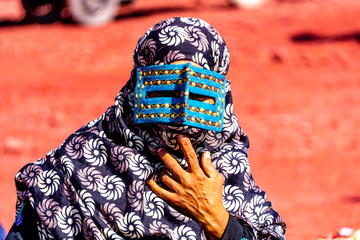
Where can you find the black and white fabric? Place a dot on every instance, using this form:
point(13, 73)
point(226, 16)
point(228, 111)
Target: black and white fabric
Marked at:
point(94, 185)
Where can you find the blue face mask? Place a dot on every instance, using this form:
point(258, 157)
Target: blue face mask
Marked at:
point(175, 94)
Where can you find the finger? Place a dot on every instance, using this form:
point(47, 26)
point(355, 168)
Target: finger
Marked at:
point(190, 154)
point(171, 164)
point(207, 165)
point(168, 180)
point(162, 193)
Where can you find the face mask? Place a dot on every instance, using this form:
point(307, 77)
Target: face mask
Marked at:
point(176, 94)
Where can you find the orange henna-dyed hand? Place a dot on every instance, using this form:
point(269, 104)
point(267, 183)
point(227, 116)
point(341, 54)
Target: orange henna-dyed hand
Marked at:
point(196, 192)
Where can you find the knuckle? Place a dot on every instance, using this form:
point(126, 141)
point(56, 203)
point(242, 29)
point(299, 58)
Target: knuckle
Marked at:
point(186, 180)
point(220, 178)
point(201, 178)
point(161, 195)
point(171, 165)
point(177, 203)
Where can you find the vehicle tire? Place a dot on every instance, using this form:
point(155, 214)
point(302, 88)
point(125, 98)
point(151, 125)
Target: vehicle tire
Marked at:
point(92, 12)
point(43, 11)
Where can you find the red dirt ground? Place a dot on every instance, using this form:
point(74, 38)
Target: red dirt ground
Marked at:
point(295, 73)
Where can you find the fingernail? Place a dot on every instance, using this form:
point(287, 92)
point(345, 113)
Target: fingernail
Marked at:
point(207, 154)
point(161, 151)
point(181, 136)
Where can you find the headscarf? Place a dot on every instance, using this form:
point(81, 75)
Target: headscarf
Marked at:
point(94, 185)
point(183, 38)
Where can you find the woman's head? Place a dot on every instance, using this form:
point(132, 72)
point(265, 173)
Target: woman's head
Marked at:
point(166, 43)
point(183, 38)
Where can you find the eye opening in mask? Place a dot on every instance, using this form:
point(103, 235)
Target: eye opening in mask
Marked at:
point(156, 94)
point(176, 94)
point(202, 98)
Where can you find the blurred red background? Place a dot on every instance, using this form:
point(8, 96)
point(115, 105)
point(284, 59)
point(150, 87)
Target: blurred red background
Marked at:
point(295, 79)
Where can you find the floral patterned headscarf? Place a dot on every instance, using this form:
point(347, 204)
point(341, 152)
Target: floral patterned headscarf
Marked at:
point(183, 38)
point(94, 185)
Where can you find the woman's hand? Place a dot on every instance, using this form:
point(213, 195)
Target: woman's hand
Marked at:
point(196, 192)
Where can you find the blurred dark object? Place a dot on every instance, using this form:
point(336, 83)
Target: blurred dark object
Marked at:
point(43, 11)
point(307, 37)
point(93, 12)
point(85, 12)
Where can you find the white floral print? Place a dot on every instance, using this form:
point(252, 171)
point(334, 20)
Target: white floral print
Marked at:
point(215, 34)
point(120, 157)
point(224, 62)
point(30, 175)
point(184, 233)
point(164, 23)
point(75, 147)
point(173, 56)
point(110, 234)
point(168, 138)
point(141, 167)
point(230, 121)
point(193, 21)
point(131, 226)
point(160, 229)
point(51, 153)
point(234, 162)
point(147, 50)
point(197, 38)
point(40, 161)
point(90, 177)
point(69, 221)
point(47, 211)
point(216, 139)
point(94, 122)
point(111, 187)
point(67, 166)
point(135, 195)
point(112, 215)
point(119, 101)
point(153, 205)
point(249, 182)
point(233, 198)
point(87, 203)
point(91, 231)
point(256, 211)
point(133, 141)
point(216, 54)
point(200, 59)
point(172, 35)
point(49, 182)
point(152, 145)
point(44, 233)
point(95, 152)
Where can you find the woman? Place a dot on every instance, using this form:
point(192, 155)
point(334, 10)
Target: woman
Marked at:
point(135, 174)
